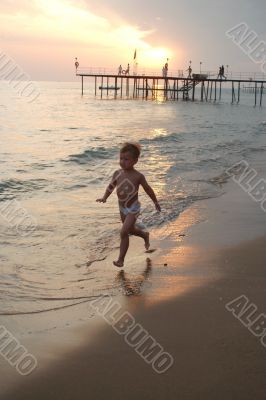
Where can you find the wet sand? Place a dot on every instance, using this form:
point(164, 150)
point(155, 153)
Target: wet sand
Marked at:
point(215, 355)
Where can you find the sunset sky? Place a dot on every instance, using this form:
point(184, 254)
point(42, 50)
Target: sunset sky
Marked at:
point(44, 36)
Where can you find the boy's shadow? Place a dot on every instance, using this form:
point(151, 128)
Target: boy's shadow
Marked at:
point(131, 285)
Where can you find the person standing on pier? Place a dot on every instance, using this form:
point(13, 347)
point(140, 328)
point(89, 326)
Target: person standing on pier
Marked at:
point(120, 69)
point(221, 73)
point(166, 68)
point(76, 64)
point(189, 71)
point(127, 70)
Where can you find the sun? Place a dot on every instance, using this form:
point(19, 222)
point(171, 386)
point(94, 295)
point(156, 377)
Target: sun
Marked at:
point(154, 56)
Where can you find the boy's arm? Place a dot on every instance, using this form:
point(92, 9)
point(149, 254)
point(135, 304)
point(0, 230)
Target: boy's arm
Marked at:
point(109, 189)
point(149, 192)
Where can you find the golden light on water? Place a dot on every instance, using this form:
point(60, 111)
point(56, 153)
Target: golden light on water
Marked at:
point(183, 267)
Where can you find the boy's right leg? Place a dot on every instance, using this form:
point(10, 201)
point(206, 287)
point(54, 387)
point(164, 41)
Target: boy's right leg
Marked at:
point(128, 224)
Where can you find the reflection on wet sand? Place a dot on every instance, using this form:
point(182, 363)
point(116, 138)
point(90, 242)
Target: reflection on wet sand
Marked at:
point(131, 284)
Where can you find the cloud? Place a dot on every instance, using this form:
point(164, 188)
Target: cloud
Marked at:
point(18, 6)
point(44, 36)
point(61, 22)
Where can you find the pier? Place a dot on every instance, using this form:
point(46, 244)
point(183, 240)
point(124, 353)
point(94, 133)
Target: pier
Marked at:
point(251, 89)
point(173, 88)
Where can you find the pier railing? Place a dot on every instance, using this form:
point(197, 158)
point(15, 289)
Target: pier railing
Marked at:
point(252, 76)
point(152, 85)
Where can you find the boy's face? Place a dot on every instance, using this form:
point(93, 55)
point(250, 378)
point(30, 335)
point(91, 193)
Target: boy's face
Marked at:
point(127, 161)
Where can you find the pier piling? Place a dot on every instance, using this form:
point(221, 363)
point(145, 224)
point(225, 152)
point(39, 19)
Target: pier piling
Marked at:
point(261, 93)
point(169, 88)
point(238, 93)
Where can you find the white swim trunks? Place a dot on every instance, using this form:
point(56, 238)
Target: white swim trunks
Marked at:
point(133, 209)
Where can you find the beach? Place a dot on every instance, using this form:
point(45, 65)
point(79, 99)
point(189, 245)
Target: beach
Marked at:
point(132, 200)
point(215, 261)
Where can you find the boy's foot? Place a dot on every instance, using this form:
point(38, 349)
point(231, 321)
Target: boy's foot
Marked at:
point(118, 263)
point(147, 240)
point(150, 250)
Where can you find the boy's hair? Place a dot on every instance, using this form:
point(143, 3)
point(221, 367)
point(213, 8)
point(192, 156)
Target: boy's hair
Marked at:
point(132, 148)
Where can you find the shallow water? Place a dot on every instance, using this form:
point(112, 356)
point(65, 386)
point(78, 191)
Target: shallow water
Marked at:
point(57, 156)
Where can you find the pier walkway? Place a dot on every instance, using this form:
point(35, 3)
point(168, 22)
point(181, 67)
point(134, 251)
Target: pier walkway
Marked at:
point(171, 87)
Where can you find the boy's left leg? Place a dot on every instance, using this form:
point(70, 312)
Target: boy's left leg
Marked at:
point(145, 235)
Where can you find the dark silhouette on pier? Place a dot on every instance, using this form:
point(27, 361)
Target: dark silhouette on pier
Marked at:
point(169, 87)
point(76, 64)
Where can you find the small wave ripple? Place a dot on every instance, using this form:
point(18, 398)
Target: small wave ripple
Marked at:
point(10, 187)
point(94, 154)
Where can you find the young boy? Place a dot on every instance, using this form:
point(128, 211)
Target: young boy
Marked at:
point(127, 181)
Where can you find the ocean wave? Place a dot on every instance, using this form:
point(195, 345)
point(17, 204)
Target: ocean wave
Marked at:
point(251, 150)
point(41, 166)
point(227, 145)
point(172, 207)
point(168, 138)
point(10, 186)
point(220, 179)
point(100, 153)
point(196, 165)
point(260, 129)
point(227, 174)
point(76, 186)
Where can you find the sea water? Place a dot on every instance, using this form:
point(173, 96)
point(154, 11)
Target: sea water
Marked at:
point(57, 156)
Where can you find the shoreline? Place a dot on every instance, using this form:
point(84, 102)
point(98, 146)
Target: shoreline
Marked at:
point(213, 261)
